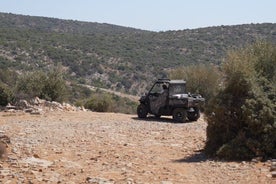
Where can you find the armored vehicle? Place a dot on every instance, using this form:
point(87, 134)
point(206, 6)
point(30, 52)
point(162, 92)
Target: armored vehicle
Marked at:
point(169, 98)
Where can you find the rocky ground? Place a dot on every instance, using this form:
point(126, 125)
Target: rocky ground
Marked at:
point(89, 147)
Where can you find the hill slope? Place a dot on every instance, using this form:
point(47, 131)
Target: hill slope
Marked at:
point(115, 57)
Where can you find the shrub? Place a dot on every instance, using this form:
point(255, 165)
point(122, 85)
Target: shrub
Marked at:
point(30, 85)
point(201, 79)
point(105, 102)
point(8, 77)
point(54, 88)
point(5, 95)
point(50, 86)
point(241, 117)
point(99, 103)
point(7, 80)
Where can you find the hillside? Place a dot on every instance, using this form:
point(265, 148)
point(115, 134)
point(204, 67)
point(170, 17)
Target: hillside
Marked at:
point(115, 57)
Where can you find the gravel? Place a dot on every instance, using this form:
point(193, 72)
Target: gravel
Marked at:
point(89, 147)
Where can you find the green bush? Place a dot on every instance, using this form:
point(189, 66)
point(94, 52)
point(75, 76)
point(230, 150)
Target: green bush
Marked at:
point(50, 86)
point(201, 79)
point(105, 102)
point(99, 103)
point(7, 79)
point(5, 95)
point(30, 85)
point(54, 88)
point(241, 117)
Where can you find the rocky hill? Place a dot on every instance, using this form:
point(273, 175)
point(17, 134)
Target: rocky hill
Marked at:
point(114, 57)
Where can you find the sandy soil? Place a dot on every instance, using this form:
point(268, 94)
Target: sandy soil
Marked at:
point(89, 147)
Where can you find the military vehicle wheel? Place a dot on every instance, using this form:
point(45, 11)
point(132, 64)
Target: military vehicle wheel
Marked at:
point(142, 111)
point(193, 116)
point(179, 115)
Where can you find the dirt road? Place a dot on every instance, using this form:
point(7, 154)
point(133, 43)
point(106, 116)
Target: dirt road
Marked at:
point(88, 147)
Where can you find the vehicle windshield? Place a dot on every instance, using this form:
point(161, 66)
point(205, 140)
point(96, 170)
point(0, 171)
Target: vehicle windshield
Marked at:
point(177, 89)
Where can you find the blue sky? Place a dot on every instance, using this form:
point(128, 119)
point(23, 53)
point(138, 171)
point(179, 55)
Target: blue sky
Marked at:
point(155, 15)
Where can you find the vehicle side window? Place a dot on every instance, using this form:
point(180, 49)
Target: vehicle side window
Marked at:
point(177, 89)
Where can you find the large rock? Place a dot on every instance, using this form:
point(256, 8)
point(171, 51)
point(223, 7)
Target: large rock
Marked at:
point(37, 106)
point(37, 101)
point(23, 104)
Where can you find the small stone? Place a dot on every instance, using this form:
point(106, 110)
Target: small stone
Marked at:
point(104, 163)
point(273, 168)
point(35, 113)
point(94, 159)
point(166, 182)
point(264, 169)
point(129, 165)
point(3, 150)
point(130, 181)
point(29, 110)
point(255, 160)
point(273, 174)
point(58, 152)
point(5, 139)
point(14, 150)
point(36, 155)
point(5, 172)
point(10, 107)
point(99, 180)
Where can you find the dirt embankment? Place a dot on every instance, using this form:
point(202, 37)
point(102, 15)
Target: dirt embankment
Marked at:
point(88, 147)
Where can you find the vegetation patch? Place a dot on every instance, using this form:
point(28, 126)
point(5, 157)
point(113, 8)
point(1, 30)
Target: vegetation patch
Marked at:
point(241, 117)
